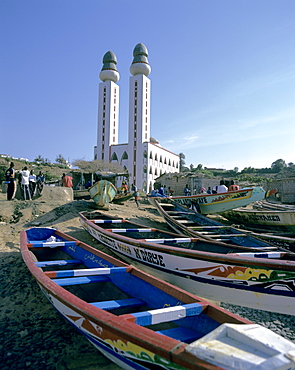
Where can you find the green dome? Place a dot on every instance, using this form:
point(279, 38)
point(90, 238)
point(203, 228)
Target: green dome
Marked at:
point(109, 61)
point(140, 49)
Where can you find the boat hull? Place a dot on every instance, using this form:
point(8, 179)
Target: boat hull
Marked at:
point(158, 326)
point(102, 192)
point(272, 219)
point(246, 281)
point(216, 203)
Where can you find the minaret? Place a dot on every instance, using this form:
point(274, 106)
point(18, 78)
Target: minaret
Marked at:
point(139, 110)
point(108, 108)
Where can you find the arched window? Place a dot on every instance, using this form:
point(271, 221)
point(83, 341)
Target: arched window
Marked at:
point(161, 159)
point(156, 172)
point(169, 163)
point(114, 157)
point(145, 154)
point(165, 161)
point(144, 169)
point(125, 155)
point(151, 155)
point(156, 157)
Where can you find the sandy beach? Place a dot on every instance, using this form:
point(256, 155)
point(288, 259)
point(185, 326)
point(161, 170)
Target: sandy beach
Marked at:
point(33, 335)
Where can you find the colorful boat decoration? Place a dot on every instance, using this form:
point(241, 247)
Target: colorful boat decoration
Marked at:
point(140, 322)
point(216, 203)
point(263, 280)
point(185, 221)
point(102, 192)
point(261, 218)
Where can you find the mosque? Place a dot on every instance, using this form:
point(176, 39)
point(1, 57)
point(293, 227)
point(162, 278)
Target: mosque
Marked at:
point(142, 156)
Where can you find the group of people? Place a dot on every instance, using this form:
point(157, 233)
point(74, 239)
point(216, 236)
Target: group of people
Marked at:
point(28, 181)
point(221, 188)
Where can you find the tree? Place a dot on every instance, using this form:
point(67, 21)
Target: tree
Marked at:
point(181, 161)
point(98, 166)
point(39, 158)
point(278, 165)
point(60, 159)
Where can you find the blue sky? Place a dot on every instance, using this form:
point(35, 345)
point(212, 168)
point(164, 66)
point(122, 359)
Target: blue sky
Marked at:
point(222, 80)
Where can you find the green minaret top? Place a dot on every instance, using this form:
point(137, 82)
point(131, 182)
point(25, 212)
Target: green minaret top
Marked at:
point(109, 69)
point(109, 61)
point(140, 64)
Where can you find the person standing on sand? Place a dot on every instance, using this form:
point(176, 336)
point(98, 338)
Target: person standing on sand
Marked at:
point(67, 181)
point(32, 183)
point(25, 183)
point(10, 180)
point(136, 194)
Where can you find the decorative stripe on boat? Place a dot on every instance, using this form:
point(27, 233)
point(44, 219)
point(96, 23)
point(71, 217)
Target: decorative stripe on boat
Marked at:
point(81, 280)
point(58, 263)
point(276, 255)
point(112, 305)
point(130, 230)
point(51, 244)
point(177, 240)
point(108, 221)
point(85, 272)
point(164, 314)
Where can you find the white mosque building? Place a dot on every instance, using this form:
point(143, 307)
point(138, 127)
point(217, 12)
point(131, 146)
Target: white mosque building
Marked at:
point(142, 156)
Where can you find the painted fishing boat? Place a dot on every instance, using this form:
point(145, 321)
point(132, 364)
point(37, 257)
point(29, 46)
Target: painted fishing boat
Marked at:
point(102, 192)
point(274, 220)
point(273, 206)
point(123, 197)
point(216, 203)
point(140, 322)
point(185, 221)
point(258, 279)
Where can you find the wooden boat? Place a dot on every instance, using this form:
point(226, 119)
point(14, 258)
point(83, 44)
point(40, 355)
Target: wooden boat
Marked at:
point(102, 192)
point(216, 203)
point(259, 279)
point(274, 220)
point(185, 221)
point(140, 322)
point(123, 197)
point(273, 206)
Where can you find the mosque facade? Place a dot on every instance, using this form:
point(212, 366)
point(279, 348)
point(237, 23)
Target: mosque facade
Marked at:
point(143, 157)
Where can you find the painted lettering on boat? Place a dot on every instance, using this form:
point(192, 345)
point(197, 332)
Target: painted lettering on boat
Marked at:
point(124, 248)
point(147, 256)
point(221, 198)
point(185, 201)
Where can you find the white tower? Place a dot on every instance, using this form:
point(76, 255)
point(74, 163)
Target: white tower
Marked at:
point(108, 108)
point(139, 112)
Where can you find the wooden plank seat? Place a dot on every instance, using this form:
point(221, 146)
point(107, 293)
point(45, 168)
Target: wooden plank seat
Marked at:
point(108, 221)
point(209, 227)
point(120, 303)
point(52, 244)
point(166, 314)
point(227, 235)
point(58, 263)
point(86, 272)
point(181, 334)
point(131, 230)
point(170, 240)
point(81, 280)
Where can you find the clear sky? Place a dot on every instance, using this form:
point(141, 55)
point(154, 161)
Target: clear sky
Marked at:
point(222, 80)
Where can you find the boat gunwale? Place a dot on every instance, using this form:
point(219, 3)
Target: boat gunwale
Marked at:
point(208, 256)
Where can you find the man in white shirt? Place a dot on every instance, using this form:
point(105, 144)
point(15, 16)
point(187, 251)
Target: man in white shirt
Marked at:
point(25, 183)
point(221, 188)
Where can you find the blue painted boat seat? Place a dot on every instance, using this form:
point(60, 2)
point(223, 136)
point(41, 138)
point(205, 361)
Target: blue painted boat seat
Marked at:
point(120, 303)
point(86, 272)
point(181, 334)
point(81, 280)
point(58, 263)
point(166, 314)
point(53, 244)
